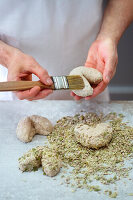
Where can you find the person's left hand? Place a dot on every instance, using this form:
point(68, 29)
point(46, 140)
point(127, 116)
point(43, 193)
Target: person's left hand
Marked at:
point(103, 56)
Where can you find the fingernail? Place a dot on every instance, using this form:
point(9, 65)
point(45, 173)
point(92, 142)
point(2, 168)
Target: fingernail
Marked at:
point(49, 81)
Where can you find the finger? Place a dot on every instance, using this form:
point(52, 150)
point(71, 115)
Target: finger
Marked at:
point(18, 76)
point(77, 98)
point(41, 73)
point(72, 94)
point(96, 63)
point(27, 78)
point(96, 91)
point(110, 69)
point(100, 64)
point(89, 64)
point(28, 93)
point(91, 60)
point(42, 94)
point(13, 77)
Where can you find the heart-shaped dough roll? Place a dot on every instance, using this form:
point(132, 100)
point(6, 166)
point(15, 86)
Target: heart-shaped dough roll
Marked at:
point(93, 137)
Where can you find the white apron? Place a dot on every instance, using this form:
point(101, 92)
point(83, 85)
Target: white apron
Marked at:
point(57, 33)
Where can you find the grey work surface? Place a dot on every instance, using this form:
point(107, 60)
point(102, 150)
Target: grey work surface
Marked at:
point(16, 185)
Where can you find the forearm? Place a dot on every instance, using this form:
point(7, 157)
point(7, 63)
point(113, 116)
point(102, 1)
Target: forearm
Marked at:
point(6, 52)
point(118, 15)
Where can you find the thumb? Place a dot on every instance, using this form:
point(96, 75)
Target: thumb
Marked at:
point(109, 71)
point(90, 62)
point(42, 74)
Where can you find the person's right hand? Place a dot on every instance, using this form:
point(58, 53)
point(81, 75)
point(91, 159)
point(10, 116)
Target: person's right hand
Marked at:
point(21, 67)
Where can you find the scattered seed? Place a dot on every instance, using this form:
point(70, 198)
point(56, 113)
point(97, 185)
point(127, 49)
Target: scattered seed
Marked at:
point(89, 164)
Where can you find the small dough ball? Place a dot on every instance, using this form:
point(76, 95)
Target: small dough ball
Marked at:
point(42, 125)
point(25, 130)
point(31, 160)
point(29, 126)
point(90, 76)
point(93, 137)
point(51, 163)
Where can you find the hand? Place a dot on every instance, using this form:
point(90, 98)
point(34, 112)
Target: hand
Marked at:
point(103, 56)
point(20, 67)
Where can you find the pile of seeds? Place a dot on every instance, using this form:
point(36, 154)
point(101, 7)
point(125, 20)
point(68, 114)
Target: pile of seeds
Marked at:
point(84, 165)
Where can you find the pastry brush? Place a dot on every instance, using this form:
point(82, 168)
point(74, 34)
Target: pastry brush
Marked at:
point(73, 82)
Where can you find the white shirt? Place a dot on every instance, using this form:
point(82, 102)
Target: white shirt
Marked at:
point(57, 33)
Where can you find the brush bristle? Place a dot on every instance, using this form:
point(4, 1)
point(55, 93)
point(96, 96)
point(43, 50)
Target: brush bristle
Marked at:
point(75, 82)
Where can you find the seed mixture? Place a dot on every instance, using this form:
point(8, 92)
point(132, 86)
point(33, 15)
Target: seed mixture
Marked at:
point(81, 166)
point(84, 165)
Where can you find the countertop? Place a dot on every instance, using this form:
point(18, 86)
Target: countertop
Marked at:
point(17, 185)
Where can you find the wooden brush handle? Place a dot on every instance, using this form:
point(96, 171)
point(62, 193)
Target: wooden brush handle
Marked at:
point(22, 85)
